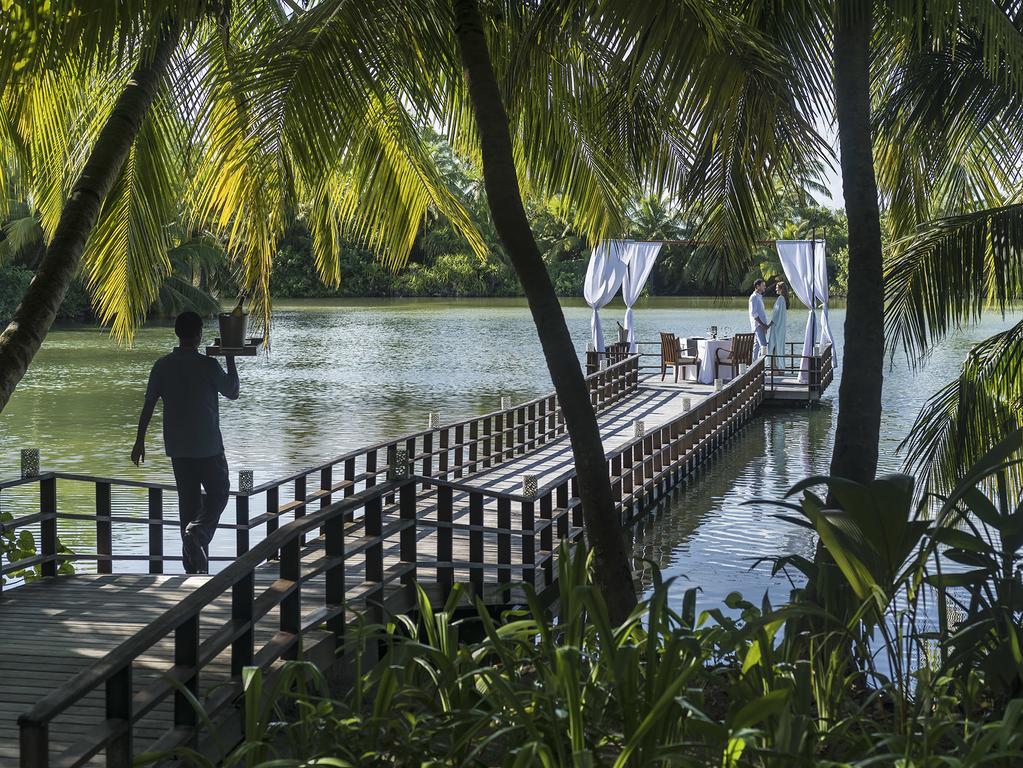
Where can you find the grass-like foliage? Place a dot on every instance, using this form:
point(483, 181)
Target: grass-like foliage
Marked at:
point(904, 651)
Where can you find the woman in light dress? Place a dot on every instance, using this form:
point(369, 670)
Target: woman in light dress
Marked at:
point(776, 338)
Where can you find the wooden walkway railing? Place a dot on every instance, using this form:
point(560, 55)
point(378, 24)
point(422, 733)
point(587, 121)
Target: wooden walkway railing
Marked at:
point(408, 509)
point(448, 451)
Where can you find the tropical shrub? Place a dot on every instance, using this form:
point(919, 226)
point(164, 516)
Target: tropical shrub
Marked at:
point(853, 675)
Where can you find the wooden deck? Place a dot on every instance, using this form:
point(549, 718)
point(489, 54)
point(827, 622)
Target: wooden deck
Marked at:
point(88, 657)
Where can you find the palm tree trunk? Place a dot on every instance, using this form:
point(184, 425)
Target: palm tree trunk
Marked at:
point(603, 530)
point(859, 397)
point(34, 315)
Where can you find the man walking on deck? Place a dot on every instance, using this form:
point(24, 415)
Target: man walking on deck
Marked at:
point(758, 318)
point(190, 384)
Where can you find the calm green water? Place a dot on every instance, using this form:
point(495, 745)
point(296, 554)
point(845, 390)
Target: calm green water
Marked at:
point(345, 374)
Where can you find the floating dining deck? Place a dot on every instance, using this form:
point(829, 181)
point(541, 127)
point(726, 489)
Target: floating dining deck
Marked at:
point(94, 666)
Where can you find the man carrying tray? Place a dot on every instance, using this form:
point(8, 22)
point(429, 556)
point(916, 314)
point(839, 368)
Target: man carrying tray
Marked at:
point(190, 384)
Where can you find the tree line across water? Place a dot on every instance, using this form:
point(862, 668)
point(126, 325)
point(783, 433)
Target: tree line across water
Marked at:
point(440, 263)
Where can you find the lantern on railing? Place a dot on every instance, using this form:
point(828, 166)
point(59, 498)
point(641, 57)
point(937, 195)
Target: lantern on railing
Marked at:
point(529, 486)
point(29, 462)
point(431, 420)
point(687, 404)
point(505, 403)
point(398, 466)
point(638, 428)
point(245, 481)
point(717, 385)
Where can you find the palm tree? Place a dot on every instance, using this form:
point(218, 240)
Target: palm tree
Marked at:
point(114, 144)
point(857, 434)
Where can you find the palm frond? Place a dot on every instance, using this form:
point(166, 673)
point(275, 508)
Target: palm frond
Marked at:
point(949, 272)
point(971, 414)
point(125, 259)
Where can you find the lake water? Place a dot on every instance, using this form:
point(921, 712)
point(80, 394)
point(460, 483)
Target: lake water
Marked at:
point(342, 374)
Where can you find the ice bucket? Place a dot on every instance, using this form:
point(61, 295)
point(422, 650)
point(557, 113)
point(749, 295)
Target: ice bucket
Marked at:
point(232, 330)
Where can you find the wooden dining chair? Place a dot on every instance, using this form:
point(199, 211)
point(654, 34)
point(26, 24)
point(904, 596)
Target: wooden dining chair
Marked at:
point(740, 353)
point(671, 354)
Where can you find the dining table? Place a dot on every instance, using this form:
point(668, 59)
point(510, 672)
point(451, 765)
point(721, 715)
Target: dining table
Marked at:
point(707, 350)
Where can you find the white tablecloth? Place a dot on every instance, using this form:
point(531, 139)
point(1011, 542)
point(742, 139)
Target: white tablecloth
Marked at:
point(706, 350)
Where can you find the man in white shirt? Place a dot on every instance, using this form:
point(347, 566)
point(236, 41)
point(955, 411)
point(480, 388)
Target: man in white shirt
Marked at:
point(758, 318)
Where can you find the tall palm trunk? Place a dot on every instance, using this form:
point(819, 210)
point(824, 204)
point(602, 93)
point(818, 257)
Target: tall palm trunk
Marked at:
point(38, 308)
point(859, 397)
point(603, 529)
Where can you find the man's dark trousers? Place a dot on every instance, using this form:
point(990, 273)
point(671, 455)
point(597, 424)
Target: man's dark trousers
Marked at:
point(200, 514)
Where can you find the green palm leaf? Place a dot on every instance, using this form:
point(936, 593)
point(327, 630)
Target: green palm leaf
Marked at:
point(971, 414)
point(125, 260)
point(950, 272)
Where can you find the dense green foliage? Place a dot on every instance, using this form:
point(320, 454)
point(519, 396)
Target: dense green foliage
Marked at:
point(908, 655)
point(442, 264)
point(14, 281)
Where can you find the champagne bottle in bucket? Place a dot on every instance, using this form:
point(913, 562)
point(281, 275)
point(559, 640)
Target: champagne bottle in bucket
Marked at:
point(233, 326)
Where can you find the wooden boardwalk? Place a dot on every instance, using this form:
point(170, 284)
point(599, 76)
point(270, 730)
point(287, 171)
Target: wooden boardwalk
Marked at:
point(85, 660)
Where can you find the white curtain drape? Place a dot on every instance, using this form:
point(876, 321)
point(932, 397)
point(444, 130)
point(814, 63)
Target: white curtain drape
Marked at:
point(639, 259)
point(821, 286)
point(604, 277)
point(805, 265)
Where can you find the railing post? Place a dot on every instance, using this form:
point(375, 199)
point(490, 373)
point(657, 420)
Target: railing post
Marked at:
point(241, 519)
point(375, 528)
point(242, 649)
point(350, 476)
point(119, 752)
point(334, 575)
point(476, 561)
point(290, 569)
point(459, 449)
point(474, 433)
point(156, 530)
point(445, 553)
point(487, 431)
point(371, 468)
point(34, 745)
point(577, 510)
point(48, 524)
point(407, 541)
point(527, 513)
point(273, 508)
point(300, 495)
point(562, 501)
point(326, 483)
point(498, 439)
point(442, 457)
point(547, 536)
point(531, 426)
point(186, 657)
point(503, 540)
point(104, 530)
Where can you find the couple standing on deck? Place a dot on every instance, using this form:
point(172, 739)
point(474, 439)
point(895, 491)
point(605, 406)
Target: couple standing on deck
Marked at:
point(768, 335)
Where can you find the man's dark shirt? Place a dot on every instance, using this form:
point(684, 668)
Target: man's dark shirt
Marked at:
point(189, 384)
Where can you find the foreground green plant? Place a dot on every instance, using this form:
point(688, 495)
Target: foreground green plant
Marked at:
point(734, 686)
